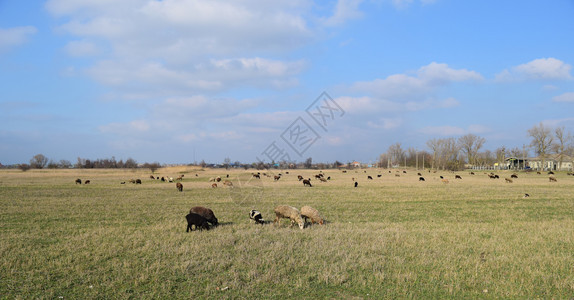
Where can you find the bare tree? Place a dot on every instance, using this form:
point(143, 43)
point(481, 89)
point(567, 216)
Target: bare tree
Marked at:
point(434, 146)
point(562, 144)
point(396, 153)
point(470, 144)
point(541, 141)
point(39, 161)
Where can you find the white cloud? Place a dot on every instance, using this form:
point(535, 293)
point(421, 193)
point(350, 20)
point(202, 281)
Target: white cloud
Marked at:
point(15, 36)
point(566, 97)
point(81, 48)
point(426, 79)
point(542, 68)
point(344, 10)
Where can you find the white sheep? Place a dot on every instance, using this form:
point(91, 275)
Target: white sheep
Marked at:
point(311, 213)
point(289, 212)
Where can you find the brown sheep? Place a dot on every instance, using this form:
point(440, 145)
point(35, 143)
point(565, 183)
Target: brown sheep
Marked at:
point(214, 185)
point(179, 186)
point(307, 212)
point(444, 180)
point(514, 176)
point(552, 179)
point(228, 183)
point(289, 212)
point(206, 213)
point(87, 182)
point(197, 220)
point(457, 177)
point(307, 182)
point(508, 180)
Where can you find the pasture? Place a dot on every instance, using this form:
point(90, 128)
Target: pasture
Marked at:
point(390, 237)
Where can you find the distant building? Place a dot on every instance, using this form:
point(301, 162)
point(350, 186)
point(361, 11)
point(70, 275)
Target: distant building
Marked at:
point(356, 164)
point(551, 162)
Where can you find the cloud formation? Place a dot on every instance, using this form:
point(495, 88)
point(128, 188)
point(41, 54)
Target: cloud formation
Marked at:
point(15, 36)
point(542, 68)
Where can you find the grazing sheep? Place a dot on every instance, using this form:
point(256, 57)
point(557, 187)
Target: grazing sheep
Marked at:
point(163, 179)
point(421, 178)
point(276, 177)
point(206, 213)
point(256, 176)
point(152, 177)
point(289, 212)
point(138, 181)
point(508, 180)
point(419, 174)
point(457, 177)
point(228, 183)
point(441, 177)
point(370, 177)
point(514, 176)
point(212, 179)
point(256, 216)
point(496, 177)
point(538, 173)
point(323, 179)
point(123, 182)
point(299, 177)
point(180, 177)
point(87, 182)
point(218, 178)
point(356, 184)
point(550, 173)
point(471, 173)
point(307, 212)
point(170, 179)
point(197, 220)
point(526, 196)
point(179, 186)
point(307, 182)
point(405, 172)
point(214, 185)
point(78, 181)
point(397, 175)
point(444, 180)
point(379, 175)
point(552, 178)
point(329, 178)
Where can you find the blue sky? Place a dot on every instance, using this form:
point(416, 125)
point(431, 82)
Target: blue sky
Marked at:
point(179, 81)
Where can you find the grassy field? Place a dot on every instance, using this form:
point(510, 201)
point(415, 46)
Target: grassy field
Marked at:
point(391, 237)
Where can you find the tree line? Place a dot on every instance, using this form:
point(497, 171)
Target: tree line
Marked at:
point(456, 153)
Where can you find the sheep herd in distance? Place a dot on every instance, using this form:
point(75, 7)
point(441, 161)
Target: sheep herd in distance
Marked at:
point(200, 217)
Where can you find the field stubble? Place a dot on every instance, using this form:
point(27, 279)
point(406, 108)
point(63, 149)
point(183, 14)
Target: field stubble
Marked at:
point(391, 237)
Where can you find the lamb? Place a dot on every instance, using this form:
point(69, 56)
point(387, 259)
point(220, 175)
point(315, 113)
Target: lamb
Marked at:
point(289, 212)
point(256, 216)
point(205, 213)
point(552, 179)
point(179, 186)
point(307, 212)
point(307, 182)
point(197, 220)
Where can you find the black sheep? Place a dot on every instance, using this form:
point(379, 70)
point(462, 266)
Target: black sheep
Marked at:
point(256, 216)
point(197, 220)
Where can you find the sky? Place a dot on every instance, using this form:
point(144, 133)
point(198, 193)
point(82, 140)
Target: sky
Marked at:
point(181, 81)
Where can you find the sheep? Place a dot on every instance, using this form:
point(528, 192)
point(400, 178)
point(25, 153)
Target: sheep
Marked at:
point(180, 177)
point(421, 178)
point(170, 179)
point(552, 179)
point(307, 212)
point(419, 173)
point(256, 216)
point(214, 185)
point(323, 179)
point(441, 177)
point(276, 177)
point(256, 176)
point(289, 212)
point(179, 186)
point(138, 181)
point(299, 177)
point(356, 184)
point(78, 181)
point(379, 175)
point(228, 183)
point(514, 176)
point(206, 213)
point(457, 177)
point(87, 182)
point(307, 182)
point(471, 173)
point(370, 177)
point(508, 180)
point(550, 173)
point(397, 175)
point(152, 177)
point(197, 220)
point(444, 180)
point(162, 179)
point(218, 178)
point(526, 196)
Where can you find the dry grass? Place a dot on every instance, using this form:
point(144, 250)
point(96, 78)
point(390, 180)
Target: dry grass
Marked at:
point(391, 237)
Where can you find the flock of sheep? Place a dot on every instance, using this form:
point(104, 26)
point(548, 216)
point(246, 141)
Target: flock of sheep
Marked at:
point(202, 217)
